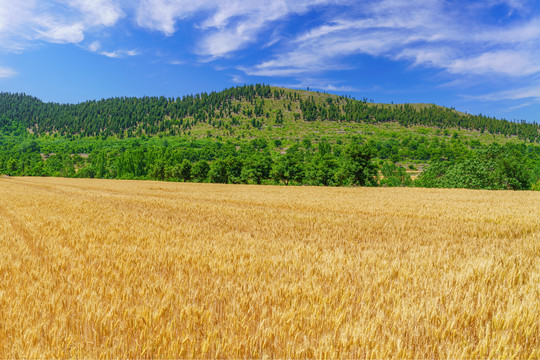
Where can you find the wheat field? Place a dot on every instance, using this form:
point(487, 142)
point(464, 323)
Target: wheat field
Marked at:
point(126, 269)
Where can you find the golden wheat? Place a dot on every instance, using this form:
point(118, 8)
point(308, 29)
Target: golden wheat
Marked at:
point(123, 269)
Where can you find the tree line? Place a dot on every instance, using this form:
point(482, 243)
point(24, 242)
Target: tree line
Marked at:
point(356, 163)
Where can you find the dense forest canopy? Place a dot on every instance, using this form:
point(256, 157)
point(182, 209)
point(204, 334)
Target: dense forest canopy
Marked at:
point(259, 134)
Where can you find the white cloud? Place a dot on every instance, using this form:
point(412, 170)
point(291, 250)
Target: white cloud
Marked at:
point(119, 53)
point(94, 46)
point(52, 31)
point(237, 79)
point(12, 23)
point(506, 62)
point(98, 12)
point(6, 72)
point(529, 92)
point(431, 56)
point(161, 15)
point(59, 21)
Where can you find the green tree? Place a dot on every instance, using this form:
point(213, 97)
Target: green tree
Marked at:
point(158, 170)
point(434, 175)
point(38, 169)
point(257, 168)
point(321, 169)
point(219, 172)
point(101, 165)
point(185, 170)
point(471, 173)
point(359, 166)
point(234, 168)
point(512, 171)
point(394, 175)
point(199, 171)
point(289, 167)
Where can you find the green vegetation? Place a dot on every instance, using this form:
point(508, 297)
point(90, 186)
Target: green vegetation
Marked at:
point(259, 134)
point(493, 167)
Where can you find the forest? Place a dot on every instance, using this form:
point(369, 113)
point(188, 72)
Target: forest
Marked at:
point(257, 134)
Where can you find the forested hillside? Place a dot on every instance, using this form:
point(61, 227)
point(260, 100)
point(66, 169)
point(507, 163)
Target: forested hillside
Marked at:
point(261, 134)
point(153, 115)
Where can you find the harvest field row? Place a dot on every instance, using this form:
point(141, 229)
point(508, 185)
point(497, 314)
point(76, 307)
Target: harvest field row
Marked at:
point(125, 269)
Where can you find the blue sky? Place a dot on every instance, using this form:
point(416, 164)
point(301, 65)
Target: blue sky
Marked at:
point(476, 56)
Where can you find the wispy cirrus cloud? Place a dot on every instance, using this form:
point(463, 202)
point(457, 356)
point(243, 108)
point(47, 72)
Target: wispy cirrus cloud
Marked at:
point(226, 25)
point(530, 93)
point(426, 33)
point(22, 23)
point(455, 38)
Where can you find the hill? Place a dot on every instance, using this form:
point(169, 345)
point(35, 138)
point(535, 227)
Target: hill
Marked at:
point(263, 134)
point(227, 111)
